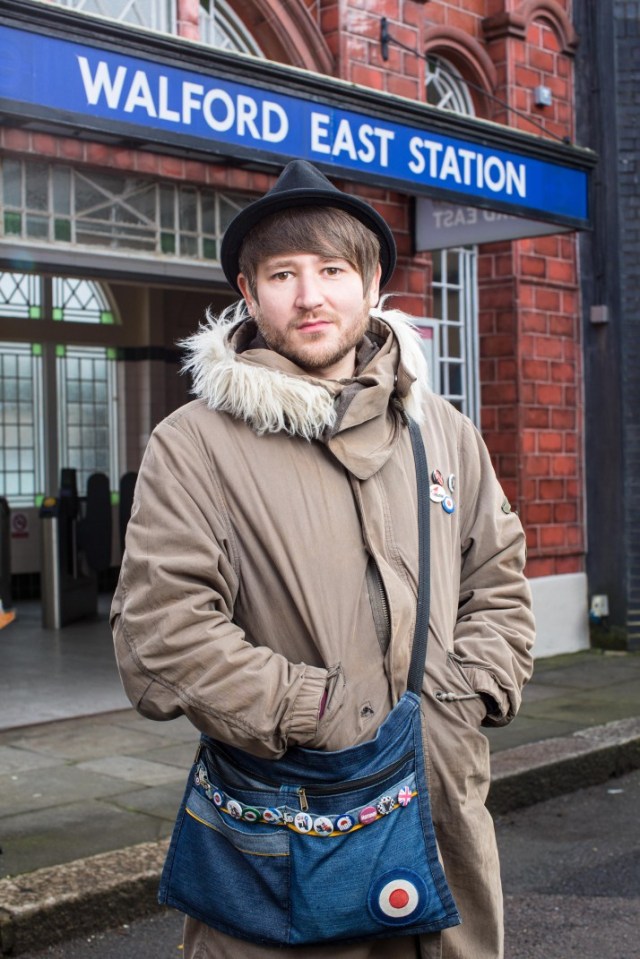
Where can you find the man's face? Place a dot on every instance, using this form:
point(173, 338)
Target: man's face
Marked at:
point(312, 310)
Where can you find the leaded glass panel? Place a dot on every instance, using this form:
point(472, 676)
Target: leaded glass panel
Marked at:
point(20, 296)
point(80, 301)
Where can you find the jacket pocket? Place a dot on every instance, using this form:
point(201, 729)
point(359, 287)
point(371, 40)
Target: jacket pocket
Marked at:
point(458, 691)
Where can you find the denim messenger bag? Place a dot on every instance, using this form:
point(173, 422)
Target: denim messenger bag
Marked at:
point(318, 847)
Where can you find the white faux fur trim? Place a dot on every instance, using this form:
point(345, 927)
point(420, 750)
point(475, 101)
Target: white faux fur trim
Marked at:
point(268, 400)
point(413, 358)
point(271, 401)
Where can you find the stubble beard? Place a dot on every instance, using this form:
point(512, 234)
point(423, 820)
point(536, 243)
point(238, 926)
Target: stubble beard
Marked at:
point(311, 356)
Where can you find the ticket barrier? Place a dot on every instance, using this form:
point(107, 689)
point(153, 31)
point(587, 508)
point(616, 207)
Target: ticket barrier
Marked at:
point(75, 546)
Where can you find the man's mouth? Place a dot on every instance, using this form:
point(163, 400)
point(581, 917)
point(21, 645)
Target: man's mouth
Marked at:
point(312, 325)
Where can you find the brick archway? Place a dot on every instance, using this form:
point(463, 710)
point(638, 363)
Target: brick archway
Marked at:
point(469, 57)
point(287, 33)
point(515, 23)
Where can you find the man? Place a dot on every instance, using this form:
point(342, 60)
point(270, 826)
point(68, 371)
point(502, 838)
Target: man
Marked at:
point(269, 584)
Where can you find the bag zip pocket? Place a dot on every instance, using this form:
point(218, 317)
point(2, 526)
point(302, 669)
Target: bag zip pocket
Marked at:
point(318, 789)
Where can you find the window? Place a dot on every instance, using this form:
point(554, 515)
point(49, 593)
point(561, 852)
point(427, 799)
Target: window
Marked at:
point(454, 286)
point(75, 384)
point(455, 296)
point(87, 411)
point(220, 27)
point(51, 204)
point(79, 301)
point(21, 421)
point(446, 89)
point(20, 296)
point(153, 14)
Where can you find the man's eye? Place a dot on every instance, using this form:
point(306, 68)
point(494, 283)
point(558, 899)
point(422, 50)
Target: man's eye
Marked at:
point(333, 270)
point(282, 275)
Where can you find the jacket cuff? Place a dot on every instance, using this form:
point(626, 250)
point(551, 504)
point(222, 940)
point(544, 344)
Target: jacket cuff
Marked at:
point(500, 709)
point(304, 717)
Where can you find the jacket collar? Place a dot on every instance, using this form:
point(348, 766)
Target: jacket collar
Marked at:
point(234, 372)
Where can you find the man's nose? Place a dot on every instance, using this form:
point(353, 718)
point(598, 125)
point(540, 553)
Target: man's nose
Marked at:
point(309, 294)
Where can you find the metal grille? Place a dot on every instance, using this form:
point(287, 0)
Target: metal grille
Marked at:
point(58, 204)
point(21, 420)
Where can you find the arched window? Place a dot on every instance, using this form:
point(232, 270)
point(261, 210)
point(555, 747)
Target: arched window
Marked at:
point(75, 384)
point(80, 301)
point(455, 297)
point(221, 27)
point(446, 88)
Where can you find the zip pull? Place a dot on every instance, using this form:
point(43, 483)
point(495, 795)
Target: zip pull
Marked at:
point(302, 796)
point(443, 697)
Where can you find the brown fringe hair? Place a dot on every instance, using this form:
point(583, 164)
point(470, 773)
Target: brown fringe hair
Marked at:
point(328, 231)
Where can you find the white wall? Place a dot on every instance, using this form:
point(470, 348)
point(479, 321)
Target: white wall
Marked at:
point(561, 608)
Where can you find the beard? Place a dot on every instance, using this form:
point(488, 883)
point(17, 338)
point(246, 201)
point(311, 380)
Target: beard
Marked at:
point(313, 354)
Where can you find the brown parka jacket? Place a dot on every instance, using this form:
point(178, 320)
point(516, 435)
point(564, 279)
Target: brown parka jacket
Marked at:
point(272, 553)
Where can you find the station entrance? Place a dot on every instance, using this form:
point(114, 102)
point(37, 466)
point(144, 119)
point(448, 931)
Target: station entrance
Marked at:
point(88, 366)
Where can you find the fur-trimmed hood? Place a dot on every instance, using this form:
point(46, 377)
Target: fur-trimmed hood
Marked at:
point(271, 394)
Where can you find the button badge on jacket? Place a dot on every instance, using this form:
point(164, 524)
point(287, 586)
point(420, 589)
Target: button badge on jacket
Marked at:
point(438, 493)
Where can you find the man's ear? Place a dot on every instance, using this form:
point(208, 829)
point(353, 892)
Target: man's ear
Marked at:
point(243, 283)
point(374, 289)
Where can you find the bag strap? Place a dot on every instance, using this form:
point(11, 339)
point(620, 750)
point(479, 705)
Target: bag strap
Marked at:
point(421, 633)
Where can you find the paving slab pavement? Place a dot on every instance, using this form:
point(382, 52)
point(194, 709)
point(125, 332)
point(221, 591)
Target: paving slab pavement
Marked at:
point(87, 804)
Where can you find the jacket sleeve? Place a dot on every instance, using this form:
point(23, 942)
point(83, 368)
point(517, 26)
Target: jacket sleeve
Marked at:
point(494, 630)
point(178, 649)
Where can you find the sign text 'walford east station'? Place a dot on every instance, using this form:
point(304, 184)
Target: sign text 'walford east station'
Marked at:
point(108, 90)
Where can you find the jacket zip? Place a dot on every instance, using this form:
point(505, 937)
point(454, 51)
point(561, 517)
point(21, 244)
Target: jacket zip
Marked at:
point(375, 583)
point(379, 605)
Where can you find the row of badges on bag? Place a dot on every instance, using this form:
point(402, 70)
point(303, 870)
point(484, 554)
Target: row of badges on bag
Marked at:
point(304, 822)
point(438, 493)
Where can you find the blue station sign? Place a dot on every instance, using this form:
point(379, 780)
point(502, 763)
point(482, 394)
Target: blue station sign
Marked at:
point(104, 89)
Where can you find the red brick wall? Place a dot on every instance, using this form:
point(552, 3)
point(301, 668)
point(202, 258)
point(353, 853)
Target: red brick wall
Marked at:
point(531, 391)
point(531, 368)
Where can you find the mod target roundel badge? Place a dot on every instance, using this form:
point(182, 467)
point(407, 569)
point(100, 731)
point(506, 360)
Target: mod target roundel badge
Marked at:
point(398, 898)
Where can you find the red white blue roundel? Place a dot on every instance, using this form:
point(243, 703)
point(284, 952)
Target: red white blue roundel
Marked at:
point(398, 898)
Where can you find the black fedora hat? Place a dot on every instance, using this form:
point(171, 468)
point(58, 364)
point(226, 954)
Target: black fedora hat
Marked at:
point(301, 184)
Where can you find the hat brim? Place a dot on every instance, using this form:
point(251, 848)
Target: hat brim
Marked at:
point(246, 219)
